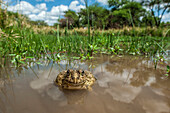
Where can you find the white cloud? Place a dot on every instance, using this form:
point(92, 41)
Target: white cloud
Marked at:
point(39, 11)
point(104, 2)
point(36, 11)
point(137, 0)
point(166, 17)
point(74, 5)
point(23, 7)
point(45, 0)
point(41, 6)
point(63, 8)
point(26, 8)
point(147, 8)
point(33, 17)
point(51, 22)
point(45, 17)
point(58, 10)
point(42, 15)
point(49, 0)
point(55, 10)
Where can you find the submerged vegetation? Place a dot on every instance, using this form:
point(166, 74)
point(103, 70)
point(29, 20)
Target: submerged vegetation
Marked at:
point(20, 42)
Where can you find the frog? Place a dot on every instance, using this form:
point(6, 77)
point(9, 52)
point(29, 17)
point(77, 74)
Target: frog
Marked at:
point(75, 79)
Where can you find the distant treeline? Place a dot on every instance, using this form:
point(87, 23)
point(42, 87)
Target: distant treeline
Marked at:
point(118, 14)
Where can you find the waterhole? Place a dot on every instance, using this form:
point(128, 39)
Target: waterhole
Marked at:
point(124, 85)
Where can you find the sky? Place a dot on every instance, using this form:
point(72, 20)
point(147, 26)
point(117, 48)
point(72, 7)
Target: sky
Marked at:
point(50, 10)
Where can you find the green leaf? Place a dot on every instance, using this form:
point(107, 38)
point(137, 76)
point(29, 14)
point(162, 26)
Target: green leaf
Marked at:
point(166, 75)
point(76, 58)
point(30, 57)
point(21, 62)
point(167, 68)
point(12, 54)
point(24, 53)
point(13, 61)
point(38, 63)
point(18, 57)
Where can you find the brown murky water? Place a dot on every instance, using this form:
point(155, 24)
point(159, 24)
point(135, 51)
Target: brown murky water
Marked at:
point(124, 85)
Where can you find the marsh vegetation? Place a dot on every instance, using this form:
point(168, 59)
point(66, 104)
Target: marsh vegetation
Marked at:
point(23, 40)
point(126, 47)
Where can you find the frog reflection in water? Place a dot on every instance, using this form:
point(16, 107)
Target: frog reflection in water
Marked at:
point(75, 79)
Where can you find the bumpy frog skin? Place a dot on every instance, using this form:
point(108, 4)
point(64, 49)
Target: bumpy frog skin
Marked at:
point(75, 79)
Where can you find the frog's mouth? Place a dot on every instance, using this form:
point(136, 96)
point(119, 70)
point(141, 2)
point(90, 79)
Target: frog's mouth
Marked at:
point(75, 84)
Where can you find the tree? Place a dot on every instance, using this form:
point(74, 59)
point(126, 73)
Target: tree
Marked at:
point(71, 19)
point(148, 19)
point(135, 10)
point(157, 9)
point(39, 23)
point(120, 18)
point(117, 4)
point(127, 13)
point(97, 16)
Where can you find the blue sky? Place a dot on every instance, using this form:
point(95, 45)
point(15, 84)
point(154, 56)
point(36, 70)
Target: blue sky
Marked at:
point(50, 10)
point(47, 10)
point(51, 3)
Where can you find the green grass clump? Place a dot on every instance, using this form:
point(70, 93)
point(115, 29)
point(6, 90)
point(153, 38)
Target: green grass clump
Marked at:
point(24, 44)
point(20, 43)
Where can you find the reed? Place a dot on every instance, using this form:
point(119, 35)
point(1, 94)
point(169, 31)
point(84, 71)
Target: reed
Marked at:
point(31, 45)
point(20, 43)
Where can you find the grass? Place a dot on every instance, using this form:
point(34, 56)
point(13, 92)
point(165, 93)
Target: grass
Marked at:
point(126, 31)
point(21, 43)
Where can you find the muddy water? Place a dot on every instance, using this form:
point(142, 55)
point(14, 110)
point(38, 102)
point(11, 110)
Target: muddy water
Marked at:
point(124, 85)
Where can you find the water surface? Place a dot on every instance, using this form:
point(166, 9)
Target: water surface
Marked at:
point(124, 85)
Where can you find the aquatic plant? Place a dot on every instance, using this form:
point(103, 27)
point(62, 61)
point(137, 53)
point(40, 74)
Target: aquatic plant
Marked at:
point(21, 43)
point(25, 44)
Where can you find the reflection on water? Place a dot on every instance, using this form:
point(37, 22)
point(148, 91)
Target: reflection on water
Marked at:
point(124, 85)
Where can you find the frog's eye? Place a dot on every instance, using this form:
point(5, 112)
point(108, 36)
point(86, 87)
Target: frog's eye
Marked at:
point(82, 73)
point(68, 71)
point(78, 71)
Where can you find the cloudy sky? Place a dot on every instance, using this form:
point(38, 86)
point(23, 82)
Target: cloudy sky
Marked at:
point(50, 10)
